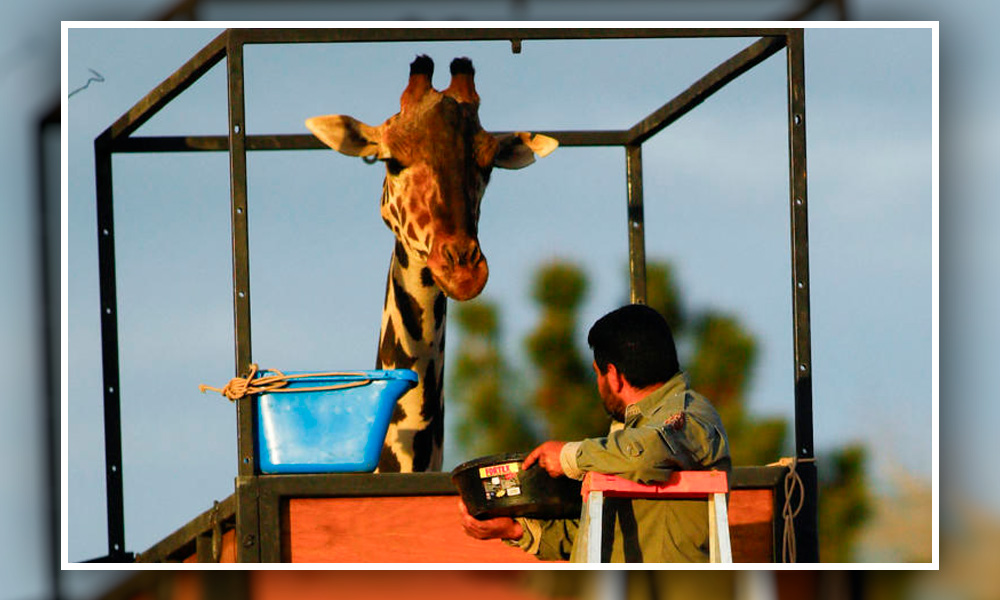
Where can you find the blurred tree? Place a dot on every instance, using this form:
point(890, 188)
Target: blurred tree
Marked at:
point(566, 391)
point(717, 354)
point(495, 421)
point(664, 295)
point(845, 502)
point(723, 357)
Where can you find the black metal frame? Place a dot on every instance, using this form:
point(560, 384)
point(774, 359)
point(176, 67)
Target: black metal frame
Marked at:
point(190, 9)
point(48, 249)
point(258, 498)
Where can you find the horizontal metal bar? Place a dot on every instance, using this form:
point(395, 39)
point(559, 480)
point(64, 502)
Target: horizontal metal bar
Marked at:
point(358, 484)
point(584, 138)
point(408, 34)
point(122, 557)
point(738, 64)
point(757, 477)
point(215, 143)
point(205, 143)
point(170, 88)
point(432, 484)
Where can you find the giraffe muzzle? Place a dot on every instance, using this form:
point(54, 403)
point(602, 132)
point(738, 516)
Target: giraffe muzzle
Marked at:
point(459, 268)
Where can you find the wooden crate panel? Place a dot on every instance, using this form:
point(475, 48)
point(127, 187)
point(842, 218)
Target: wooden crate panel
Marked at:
point(385, 529)
point(750, 525)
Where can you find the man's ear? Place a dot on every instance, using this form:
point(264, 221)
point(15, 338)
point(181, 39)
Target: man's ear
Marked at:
point(346, 134)
point(517, 150)
point(616, 381)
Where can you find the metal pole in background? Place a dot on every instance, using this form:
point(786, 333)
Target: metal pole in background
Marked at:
point(247, 497)
point(109, 349)
point(636, 226)
point(50, 372)
point(806, 523)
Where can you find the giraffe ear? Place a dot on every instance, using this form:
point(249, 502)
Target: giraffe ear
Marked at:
point(346, 135)
point(517, 150)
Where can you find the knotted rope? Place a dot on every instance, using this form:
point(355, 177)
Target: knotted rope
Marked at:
point(239, 387)
point(792, 480)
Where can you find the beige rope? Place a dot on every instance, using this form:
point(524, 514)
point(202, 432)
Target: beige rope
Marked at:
point(239, 387)
point(792, 479)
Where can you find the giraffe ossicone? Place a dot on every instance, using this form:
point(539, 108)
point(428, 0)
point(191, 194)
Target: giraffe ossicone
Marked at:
point(438, 161)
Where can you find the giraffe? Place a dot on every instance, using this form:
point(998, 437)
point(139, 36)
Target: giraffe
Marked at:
point(438, 160)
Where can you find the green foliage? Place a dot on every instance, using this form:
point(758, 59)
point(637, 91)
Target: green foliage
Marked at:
point(566, 393)
point(559, 287)
point(663, 295)
point(494, 421)
point(724, 354)
point(845, 502)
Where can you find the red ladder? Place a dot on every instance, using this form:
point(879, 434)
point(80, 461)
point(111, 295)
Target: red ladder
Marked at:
point(712, 485)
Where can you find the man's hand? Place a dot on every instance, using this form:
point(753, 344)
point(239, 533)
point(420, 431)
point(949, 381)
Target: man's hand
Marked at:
point(489, 529)
point(547, 456)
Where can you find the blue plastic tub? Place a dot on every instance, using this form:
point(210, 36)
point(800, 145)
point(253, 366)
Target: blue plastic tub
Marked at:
point(332, 431)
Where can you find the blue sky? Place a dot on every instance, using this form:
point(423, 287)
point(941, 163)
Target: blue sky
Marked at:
point(716, 198)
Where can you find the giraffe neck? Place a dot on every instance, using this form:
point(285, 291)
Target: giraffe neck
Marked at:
point(412, 337)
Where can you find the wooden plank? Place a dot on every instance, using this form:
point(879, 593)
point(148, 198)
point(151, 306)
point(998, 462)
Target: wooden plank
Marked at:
point(383, 530)
point(750, 523)
point(386, 530)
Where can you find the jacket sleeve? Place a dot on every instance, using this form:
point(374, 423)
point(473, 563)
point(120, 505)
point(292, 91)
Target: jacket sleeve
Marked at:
point(652, 453)
point(548, 539)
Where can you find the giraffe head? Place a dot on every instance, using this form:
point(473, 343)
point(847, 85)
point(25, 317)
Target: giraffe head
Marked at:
point(438, 160)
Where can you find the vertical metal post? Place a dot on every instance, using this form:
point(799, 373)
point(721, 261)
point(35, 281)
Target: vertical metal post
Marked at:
point(636, 226)
point(109, 348)
point(270, 522)
point(806, 523)
point(49, 330)
point(247, 522)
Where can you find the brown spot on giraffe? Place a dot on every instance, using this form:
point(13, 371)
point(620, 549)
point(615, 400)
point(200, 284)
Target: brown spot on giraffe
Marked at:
point(438, 160)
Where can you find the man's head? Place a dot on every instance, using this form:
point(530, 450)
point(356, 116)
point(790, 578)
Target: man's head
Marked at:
point(638, 342)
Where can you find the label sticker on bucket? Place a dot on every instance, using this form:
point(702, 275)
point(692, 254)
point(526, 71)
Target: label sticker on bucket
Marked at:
point(494, 470)
point(500, 481)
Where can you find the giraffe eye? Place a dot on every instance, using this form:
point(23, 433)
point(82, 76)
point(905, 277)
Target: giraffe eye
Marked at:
point(394, 166)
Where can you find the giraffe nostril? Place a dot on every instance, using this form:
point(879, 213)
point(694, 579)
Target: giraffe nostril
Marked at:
point(458, 254)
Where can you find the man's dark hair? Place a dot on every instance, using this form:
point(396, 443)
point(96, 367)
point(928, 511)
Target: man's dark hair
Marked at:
point(638, 341)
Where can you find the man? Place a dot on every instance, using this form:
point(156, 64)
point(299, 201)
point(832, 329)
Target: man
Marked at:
point(659, 426)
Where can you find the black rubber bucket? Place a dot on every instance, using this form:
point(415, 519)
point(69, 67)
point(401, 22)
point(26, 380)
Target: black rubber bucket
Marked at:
point(497, 486)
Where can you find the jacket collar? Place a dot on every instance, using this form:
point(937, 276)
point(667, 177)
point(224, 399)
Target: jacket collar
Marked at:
point(678, 383)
